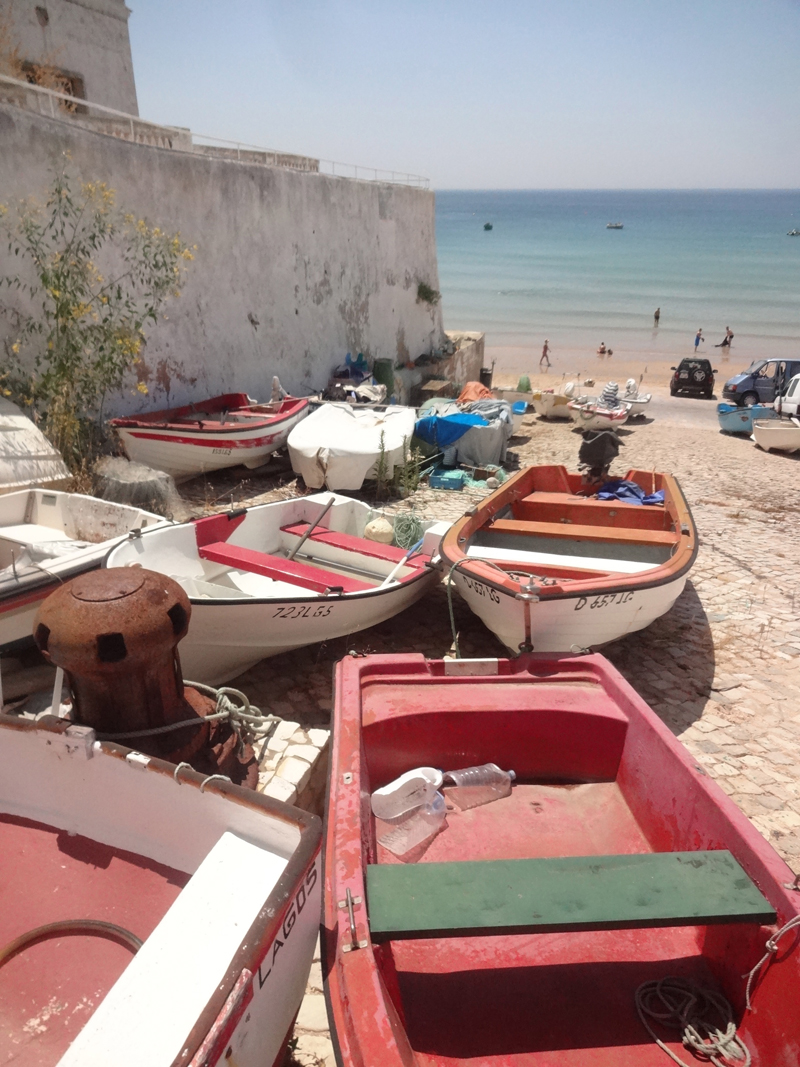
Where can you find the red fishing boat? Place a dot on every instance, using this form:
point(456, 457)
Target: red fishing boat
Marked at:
point(223, 431)
point(565, 923)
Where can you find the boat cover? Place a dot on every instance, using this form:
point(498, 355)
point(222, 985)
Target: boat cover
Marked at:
point(338, 445)
point(26, 456)
point(445, 430)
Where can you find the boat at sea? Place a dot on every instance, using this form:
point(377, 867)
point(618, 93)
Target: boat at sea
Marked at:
point(782, 435)
point(793, 233)
point(274, 577)
point(341, 445)
point(614, 226)
point(26, 456)
point(539, 929)
point(47, 538)
point(547, 565)
point(149, 914)
point(735, 419)
point(223, 431)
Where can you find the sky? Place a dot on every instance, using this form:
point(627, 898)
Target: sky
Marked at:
point(537, 94)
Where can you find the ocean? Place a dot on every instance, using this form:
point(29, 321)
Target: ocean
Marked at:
point(549, 268)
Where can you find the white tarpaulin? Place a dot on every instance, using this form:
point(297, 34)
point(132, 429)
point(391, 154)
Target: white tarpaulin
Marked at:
point(338, 445)
point(26, 456)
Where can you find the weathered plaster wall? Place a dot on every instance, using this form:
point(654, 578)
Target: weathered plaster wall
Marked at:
point(84, 37)
point(322, 265)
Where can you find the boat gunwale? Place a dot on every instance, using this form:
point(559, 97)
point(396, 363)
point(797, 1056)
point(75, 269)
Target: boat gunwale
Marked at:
point(148, 422)
point(452, 554)
point(269, 921)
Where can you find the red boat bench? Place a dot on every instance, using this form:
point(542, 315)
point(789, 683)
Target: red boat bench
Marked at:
point(567, 893)
point(361, 545)
point(280, 569)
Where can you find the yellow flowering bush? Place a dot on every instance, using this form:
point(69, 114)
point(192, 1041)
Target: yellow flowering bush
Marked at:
point(91, 278)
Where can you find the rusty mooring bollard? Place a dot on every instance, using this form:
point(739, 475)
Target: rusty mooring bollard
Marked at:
point(115, 633)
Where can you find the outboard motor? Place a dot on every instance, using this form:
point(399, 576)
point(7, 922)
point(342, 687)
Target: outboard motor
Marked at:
point(598, 451)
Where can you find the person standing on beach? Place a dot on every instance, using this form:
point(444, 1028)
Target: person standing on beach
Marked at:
point(545, 354)
point(656, 316)
point(697, 339)
point(726, 340)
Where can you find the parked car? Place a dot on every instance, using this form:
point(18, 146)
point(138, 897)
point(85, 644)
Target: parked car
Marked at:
point(693, 376)
point(789, 403)
point(762, 382)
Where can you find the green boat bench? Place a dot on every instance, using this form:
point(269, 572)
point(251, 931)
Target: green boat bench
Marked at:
point(570, 893)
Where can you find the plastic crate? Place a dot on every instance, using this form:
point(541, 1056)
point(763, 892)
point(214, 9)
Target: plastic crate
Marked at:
point(445, 479)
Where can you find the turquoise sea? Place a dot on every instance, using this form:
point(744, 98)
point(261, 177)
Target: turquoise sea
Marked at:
point(550, 268)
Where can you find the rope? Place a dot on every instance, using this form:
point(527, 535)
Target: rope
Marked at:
point(70, 926)
point(771, 947)
point(407, 530)
point(248, 722)
point(682, 1005)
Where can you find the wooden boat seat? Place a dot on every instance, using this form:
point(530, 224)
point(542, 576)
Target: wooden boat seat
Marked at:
point(574, 532)
point(583, 501)
point(279, 569)
point(364, 547)
point(418, 900)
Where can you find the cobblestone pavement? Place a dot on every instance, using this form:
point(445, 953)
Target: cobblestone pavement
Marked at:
point(722, 669)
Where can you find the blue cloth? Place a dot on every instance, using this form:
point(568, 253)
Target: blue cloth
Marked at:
point(628, 493)
point(445, 430)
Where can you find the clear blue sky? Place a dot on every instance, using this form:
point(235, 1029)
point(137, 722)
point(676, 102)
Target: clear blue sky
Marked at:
point(477, 94)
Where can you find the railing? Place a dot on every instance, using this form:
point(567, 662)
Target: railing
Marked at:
point(102, 119)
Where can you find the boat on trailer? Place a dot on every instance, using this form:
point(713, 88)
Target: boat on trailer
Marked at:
point(549, 566)
point(223, 431)
point(274, 577)
point(107, 850)
point(46, 538)
point(525, 931)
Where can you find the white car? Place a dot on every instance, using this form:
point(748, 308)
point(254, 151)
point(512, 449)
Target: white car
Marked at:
point(789, 403)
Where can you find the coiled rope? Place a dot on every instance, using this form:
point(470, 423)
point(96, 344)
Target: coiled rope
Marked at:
point(407, 529)
point(248, 722)
point(703, 1017)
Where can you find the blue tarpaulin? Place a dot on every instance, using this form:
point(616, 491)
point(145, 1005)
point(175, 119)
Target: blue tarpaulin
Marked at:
point(628, 493)
point(445, 430)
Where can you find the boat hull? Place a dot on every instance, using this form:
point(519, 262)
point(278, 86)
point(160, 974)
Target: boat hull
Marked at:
point(551, 405)
point(777, 434)
point(226, 640)
point(569, 624)
point(590, 417)
point(185, 453)
point(735, 419)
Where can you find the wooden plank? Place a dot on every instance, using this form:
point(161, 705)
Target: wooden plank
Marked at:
point(574, 532)
point(360, 545)
point(580, 501)
point(565, 893)
point(279, 569)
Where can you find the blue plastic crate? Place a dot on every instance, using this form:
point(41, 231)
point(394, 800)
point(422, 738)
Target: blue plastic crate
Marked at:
point(447, 479)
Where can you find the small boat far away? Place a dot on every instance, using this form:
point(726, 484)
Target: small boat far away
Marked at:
point(488, 226)
point(614, 226)
point(526, 932)
point(224, 431)
point(548, 567)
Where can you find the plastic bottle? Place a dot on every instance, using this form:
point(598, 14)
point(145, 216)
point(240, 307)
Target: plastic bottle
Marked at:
point(474, 786)
point(416, 827)
point(405, 793)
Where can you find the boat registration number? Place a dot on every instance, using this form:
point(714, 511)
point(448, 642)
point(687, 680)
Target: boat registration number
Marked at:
point(221, 451)
point(307, 611)
point(604, 601)
point(481, 590)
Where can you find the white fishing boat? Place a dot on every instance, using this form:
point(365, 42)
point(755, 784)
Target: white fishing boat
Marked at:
point(274, 577)
point(782, 435)
point(550, 404)
point(340, 445)
point(150, 915)
point(637, 402)
point(26, 456)
point(223, 431)
point(590, 414)
point(46, 538)
point(547, 567)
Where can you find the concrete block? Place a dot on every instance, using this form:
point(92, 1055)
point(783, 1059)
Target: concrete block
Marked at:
point(319, 738)
point(295, 771)
point(284, 730)
point(313, 1015)
point(281, 789)
point(304, 752)
point(264, 778)
point(276, 745)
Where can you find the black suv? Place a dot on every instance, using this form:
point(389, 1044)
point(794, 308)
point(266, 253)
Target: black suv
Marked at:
point(693, 376)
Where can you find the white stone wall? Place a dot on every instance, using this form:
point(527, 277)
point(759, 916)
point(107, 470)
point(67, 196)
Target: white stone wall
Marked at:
point(322, 265)
point(84, 37)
